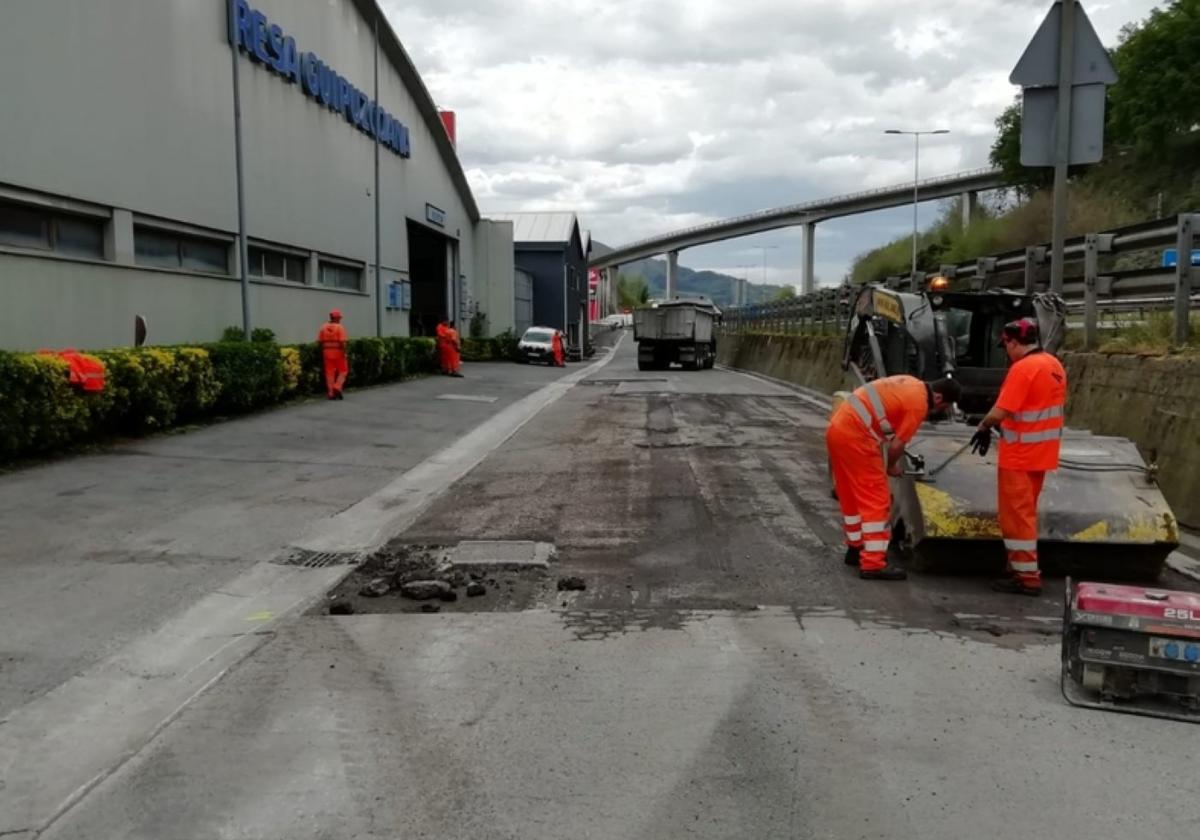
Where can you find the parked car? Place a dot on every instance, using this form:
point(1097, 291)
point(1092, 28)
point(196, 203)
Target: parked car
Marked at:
point(536, 345)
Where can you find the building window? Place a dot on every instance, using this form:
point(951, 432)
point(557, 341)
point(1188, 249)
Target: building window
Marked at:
point(167, 249)
point(337, 276)
point(275, 265)
point(23, 226)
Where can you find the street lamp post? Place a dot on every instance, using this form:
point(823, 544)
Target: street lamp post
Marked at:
point(916, 135)
point(766, 248)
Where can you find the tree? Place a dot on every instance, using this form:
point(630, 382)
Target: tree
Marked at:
point(1158, 93)
point(632, 291)
point(785, 293)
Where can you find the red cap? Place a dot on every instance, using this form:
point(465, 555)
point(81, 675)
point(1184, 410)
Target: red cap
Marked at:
point(335, 315)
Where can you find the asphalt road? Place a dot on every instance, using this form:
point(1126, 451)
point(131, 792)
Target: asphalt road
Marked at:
point(723, 675)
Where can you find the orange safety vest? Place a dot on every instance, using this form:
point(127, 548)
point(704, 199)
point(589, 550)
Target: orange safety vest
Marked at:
point(1035, 396)
point(892, 407)
point(332, 337)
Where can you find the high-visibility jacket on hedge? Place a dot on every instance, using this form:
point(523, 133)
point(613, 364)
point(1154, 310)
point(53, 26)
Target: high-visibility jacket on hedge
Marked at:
point(1035, 395)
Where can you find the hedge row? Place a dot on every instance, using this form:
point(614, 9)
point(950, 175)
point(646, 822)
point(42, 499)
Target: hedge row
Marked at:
point(155, 388)
point(502, 347)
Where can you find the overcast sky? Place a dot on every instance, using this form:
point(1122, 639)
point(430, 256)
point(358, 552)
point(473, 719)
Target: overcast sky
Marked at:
point(645, 116)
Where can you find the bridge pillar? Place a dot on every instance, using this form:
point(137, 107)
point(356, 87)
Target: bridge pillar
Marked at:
point(970, 204)
point(808, 279)
point(672, 273)
point(612, 298)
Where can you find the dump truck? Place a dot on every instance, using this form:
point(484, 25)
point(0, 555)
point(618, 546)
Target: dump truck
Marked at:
point(1101, 512)
point(682, 330)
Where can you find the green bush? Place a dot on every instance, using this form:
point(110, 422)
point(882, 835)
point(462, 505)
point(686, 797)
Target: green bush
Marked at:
point(154, 388)
point(262, 335)
point(233, 334)
point(506, 344)
point(251, 375)
point(39, 410)
point(502, 347)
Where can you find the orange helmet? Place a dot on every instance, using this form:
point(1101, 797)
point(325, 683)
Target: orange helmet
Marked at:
point(335, 315)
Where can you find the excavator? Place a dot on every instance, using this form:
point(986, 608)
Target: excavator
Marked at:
point(1101, 512)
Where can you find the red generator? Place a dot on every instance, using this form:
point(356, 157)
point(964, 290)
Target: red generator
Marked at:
point(1132, 649)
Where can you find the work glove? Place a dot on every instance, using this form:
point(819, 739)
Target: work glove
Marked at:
point(981, 441)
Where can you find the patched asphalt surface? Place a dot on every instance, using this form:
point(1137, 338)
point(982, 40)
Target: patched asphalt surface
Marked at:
point(686, 491)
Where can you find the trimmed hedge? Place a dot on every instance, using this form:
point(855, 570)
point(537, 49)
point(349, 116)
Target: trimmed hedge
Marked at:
point(502, 347)
point(154, 388)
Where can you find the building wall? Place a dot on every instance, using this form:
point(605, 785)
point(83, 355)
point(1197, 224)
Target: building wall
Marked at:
point(132, 111)
point(546, 268)
point(497, 297)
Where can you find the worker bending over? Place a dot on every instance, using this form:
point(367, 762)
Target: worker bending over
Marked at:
point(332, 338)
point(1029, 412)
point(449, 345)
point(887, 413)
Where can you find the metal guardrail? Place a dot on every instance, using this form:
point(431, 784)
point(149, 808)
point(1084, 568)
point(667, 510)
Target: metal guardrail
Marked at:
point(818, 204)
point(1172, 288)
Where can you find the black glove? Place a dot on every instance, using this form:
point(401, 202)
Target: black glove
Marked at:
point(981, 441)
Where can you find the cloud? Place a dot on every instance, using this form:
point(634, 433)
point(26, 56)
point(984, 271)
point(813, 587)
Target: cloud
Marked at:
point(649, 115)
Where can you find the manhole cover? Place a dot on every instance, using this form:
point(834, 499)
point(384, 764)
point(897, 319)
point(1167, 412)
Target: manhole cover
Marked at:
point(317, 559)
point(508, 555)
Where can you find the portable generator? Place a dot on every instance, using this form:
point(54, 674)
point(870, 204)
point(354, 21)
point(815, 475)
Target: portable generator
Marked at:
point(1132, 649)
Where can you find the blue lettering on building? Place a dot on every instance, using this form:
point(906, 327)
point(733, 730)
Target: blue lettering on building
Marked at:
point(267, 44)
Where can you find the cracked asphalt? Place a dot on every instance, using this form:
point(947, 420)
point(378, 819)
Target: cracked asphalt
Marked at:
point(723, 675)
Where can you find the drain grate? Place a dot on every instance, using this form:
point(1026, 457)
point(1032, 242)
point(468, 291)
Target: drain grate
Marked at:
point(317, 559)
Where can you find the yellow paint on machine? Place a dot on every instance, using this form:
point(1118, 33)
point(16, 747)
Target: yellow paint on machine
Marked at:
point(1137, 529)
point(945, 519)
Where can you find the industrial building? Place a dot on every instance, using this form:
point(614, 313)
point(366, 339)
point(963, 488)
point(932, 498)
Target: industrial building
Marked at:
point(122, 171)
point(553, 250)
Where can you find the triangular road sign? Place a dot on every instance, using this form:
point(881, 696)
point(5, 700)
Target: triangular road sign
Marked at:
point(1038, 67)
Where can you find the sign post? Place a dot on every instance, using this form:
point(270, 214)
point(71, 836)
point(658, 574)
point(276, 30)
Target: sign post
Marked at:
point(1064, 73)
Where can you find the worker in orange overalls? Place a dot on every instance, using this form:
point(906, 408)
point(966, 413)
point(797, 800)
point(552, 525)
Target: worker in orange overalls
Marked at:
point(885, 413)
point(332, 339)
point(449, 345)
point(556, 350)
point(1029, 412)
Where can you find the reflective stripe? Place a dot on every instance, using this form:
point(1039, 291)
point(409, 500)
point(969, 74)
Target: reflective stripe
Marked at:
point(852, 520)
point(1009, 436)
point(1021, 545)
point(1038, 416)
point(1023, 566)
point(863, 414)
point(874, 527)
point(880, 414)
point(875, 545)
point(854, 536)
point(1038, 437)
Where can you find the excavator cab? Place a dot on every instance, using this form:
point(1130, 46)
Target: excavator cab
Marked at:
point(1101, 512)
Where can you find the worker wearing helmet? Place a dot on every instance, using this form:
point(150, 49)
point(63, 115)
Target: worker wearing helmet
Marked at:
point(886, 412)
point(332, 339)
point(1029, 412)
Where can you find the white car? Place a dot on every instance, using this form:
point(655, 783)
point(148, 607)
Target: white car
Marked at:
point(537, 345)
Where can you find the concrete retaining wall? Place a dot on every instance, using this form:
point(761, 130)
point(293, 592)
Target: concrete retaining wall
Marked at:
point(1154, 401)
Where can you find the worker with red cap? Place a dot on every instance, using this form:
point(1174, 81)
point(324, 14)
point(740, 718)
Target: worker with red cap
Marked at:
point(449, 344)
point(884, 414)
point(1029, 412)
point(332, 338)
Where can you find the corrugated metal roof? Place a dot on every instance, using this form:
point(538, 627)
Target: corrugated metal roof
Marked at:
point(539, 227)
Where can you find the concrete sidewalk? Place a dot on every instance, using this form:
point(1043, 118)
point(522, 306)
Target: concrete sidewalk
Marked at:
point(101, 548)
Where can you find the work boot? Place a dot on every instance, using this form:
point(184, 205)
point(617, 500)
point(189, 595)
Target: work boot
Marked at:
point(339, 396)
point(888, 572)
point(1014, 586)
point(851, 558)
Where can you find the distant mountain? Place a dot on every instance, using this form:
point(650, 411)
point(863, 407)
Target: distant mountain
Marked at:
point(712, 284)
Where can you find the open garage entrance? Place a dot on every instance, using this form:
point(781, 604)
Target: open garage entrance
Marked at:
point(428, 270)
